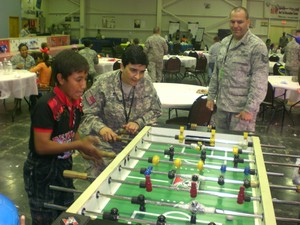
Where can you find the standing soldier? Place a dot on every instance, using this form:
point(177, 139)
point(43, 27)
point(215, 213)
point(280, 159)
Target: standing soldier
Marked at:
point(239, 81)
point(120, 101)
point(92, 58)
point(292, 58)
point(156, 47)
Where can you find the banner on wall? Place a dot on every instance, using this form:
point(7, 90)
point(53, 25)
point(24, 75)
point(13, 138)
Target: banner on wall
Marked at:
point(282, 11)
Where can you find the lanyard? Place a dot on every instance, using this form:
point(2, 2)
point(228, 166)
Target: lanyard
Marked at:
point(127, 115)
point(227, 49)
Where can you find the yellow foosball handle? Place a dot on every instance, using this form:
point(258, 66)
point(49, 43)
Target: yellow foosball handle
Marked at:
point(75, 175)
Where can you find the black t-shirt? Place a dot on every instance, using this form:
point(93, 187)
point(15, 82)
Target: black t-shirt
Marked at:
point(51, 114)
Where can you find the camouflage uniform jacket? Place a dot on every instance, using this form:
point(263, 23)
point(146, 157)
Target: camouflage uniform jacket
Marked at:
point(292, 57)
point(91, 57)
point(103, 104)
point(155, 48)
point(239, 82)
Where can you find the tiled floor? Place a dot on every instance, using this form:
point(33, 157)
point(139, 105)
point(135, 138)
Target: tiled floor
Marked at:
point(14, 147)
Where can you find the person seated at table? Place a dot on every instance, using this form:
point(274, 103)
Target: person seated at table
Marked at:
point(22, 60)
point(120, 102)
point(91, 56)
point(43, 69)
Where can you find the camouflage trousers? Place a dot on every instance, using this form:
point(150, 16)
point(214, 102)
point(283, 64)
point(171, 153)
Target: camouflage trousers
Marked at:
point(155, 71)
point(38, 174)
point(228, 121)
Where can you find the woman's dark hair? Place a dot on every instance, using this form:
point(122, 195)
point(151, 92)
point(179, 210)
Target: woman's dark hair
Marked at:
point(22, 45)
point(134, 55)
point(44, 57)
point(67, 62)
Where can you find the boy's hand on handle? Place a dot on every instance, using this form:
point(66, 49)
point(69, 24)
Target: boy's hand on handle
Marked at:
point(88, 148)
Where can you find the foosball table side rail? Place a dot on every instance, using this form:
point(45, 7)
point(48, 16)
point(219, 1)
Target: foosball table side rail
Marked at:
point(90, 198)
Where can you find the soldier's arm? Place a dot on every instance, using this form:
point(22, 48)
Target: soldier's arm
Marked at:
point(151, 115)
point(92, 107)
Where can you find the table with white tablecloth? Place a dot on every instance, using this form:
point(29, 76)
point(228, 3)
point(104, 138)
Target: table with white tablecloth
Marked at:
point(174, 95)
point(285, 84)
point(105, 65)
point(18, 84)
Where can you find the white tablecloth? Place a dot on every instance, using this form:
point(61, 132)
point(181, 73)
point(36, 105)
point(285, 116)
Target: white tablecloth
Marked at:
point(105, 65)
point(174, 95)
point(285, 83)
point(18, 84)
point(186, 61)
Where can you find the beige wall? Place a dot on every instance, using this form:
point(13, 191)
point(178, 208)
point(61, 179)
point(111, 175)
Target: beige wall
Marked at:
point(120, 16)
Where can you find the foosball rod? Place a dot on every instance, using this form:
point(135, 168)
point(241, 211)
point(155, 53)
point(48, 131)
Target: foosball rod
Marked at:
point(196, 155)
point(222, 149)
point(207, 139)
point(212, 193)
point(201, 178)
point(220, 157)
point(98, 214)
point(210, 210)
point(202, 165)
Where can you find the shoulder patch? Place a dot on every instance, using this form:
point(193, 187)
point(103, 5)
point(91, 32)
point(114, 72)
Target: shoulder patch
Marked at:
point(90, 98)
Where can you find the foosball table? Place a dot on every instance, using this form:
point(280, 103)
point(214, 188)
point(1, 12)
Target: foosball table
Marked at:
point(171, 176)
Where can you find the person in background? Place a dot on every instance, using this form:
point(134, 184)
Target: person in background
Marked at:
point(291, 57)
point(22, 60)
point(155, 48)
point(213, 53)
point(44, 48)
point(25, 31)
point(99, 35)
point(190, 36)
point(239, 80)
point(43, 69)
point(283, 41)
point(91, 56)
point(54, 138)
point(176, 37)
point(120, 102)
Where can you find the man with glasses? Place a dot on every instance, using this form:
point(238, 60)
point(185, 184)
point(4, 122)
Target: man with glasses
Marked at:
point(239, 81)
point(121, 101)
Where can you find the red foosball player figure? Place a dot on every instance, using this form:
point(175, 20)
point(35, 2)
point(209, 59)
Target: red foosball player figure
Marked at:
point(148, 184)
point(193, 191)
point(241, 195)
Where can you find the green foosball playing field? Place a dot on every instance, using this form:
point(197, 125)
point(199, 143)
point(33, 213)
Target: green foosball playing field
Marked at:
point(158, 180)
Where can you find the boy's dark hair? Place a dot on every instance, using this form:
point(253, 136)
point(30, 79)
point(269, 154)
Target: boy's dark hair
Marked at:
point(22, 45)
point(67, 62)
point(44, 57)
point(134, 55)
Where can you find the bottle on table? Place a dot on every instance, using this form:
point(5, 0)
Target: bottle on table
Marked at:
point(1, 68)
point(5, 65)
point(9, 67)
